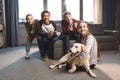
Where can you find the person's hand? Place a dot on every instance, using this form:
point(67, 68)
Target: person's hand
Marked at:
point(75, 24)
point(70, 21)
point(50, 34)
point(70, 28)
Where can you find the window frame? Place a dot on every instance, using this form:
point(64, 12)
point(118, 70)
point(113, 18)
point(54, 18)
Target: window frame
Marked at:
point(63, 7)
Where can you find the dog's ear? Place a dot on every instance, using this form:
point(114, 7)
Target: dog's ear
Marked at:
point(83, 49)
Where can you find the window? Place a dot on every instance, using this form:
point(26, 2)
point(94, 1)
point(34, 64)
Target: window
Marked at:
point(55, 9)
point(73, 7)
point(88, 10)
point(34, 7)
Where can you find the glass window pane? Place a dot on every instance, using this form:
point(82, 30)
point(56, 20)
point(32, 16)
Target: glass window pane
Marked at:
point(54, 7)
point(34, 7)
point(88, 10)
point(74, 7)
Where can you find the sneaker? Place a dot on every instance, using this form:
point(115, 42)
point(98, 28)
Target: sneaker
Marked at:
point(27, 56)
point(43, 59)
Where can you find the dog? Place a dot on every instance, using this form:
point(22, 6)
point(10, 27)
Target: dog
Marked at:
point(74, 58)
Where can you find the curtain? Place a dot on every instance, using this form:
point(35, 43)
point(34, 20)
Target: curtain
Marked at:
point(109, 11)
point(97, 11)
point(104, 12)
point(117, 23)
point(11, 13)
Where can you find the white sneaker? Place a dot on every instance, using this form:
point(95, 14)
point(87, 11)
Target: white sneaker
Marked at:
point(27, 56)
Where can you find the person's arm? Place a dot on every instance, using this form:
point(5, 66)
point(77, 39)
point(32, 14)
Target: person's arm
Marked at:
point(36, 27)
point(40, 32)
point(64, 27)
point(89, 43)
point(75, 23)
point(27, 30)
point(91, 48)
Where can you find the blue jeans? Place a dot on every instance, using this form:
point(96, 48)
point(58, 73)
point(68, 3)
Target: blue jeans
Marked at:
point(46, 45)
point(67, 38)
point(28, 43)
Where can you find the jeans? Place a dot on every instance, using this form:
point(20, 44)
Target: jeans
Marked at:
point(67, 38)
point(46, 45)
point(28, 43)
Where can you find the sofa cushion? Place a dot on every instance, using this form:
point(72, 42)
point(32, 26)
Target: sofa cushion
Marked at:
point(59, 43)
point(105, 38)
point(58, 26)
point(96, 29)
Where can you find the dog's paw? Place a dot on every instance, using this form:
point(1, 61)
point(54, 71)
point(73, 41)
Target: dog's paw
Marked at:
point(71, 71)
point(59, 66)
point(93, 75)
point(51, 67)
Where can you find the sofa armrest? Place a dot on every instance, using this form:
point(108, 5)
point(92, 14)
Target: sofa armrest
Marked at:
point(111, 31)
point(115, 34)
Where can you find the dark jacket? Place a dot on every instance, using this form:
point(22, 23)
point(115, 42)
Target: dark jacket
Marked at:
point(40, 28)
point(29, 28)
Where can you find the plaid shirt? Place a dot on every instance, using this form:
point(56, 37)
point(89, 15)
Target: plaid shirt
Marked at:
point(65, 25)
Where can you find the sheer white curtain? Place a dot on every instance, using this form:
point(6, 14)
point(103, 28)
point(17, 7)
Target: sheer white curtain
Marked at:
point(97, 11)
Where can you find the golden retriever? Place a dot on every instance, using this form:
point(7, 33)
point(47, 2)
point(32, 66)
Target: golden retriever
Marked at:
point(74, 58)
